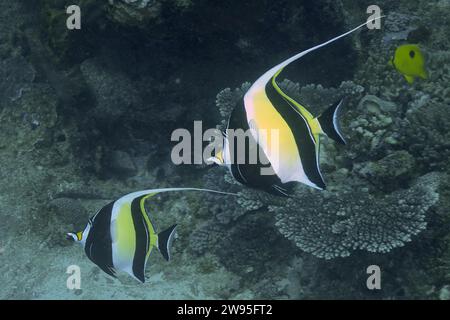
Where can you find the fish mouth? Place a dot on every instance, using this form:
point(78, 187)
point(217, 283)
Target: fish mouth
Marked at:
point(69, 237)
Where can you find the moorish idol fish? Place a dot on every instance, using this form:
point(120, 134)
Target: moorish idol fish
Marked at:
point(120, 236)
point(266, 107)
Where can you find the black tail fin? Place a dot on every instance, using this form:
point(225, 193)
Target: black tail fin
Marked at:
point(165, 239)
point(330, 123)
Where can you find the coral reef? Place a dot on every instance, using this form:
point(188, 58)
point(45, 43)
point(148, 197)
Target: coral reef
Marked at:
point(70, 46)
point(114, 93)
point(16, 75)
point(220, 213)
point(389, 172)
point(139, 13)
point(373, 128)
point(135, 12)
point(87, 116)
point(227, 100)
point(396, 140)
point(333, 224)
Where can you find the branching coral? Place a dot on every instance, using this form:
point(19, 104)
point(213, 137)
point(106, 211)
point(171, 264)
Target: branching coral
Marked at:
point(221, 211)
point(371, 128)
point(227, 100)
point(330, 225)
point(389, 172)
point(425, 135)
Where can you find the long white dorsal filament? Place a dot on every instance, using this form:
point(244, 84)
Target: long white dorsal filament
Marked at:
point(149, 191)
point(269, 74)
point(285, 63)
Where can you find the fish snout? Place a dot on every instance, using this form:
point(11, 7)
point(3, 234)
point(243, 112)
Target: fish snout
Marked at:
point(71, 236)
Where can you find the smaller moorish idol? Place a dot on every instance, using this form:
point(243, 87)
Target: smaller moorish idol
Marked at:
point(293, 155)
point(120, 236)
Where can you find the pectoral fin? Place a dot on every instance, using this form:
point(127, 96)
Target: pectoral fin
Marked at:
point(391, 63)
point(410, 79)
point(423, 74)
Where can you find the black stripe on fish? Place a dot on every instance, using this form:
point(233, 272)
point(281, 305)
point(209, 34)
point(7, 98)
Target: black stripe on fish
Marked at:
point(142, 238)
point(98, 246)
point(246, 173)
point(302, 133)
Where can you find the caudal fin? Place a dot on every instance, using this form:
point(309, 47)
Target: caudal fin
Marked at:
point(423, 74)
point(329, 122)
point(165, 239)
point(409, 79)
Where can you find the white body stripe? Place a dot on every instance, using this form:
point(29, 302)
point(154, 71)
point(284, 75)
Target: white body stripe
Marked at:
point(124, 260)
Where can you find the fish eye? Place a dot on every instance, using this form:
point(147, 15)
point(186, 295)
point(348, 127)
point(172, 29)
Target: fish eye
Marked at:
point(412, 53)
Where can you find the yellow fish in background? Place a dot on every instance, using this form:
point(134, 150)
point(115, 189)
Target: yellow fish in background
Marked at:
point(410, 62)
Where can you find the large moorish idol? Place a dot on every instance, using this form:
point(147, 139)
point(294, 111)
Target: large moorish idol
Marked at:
point(297, 146)
point(120, 236)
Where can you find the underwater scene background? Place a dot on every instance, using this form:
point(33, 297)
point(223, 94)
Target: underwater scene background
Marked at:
point(86, 116)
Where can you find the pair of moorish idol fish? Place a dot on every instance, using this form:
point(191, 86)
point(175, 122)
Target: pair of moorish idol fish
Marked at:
point(120, 236)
